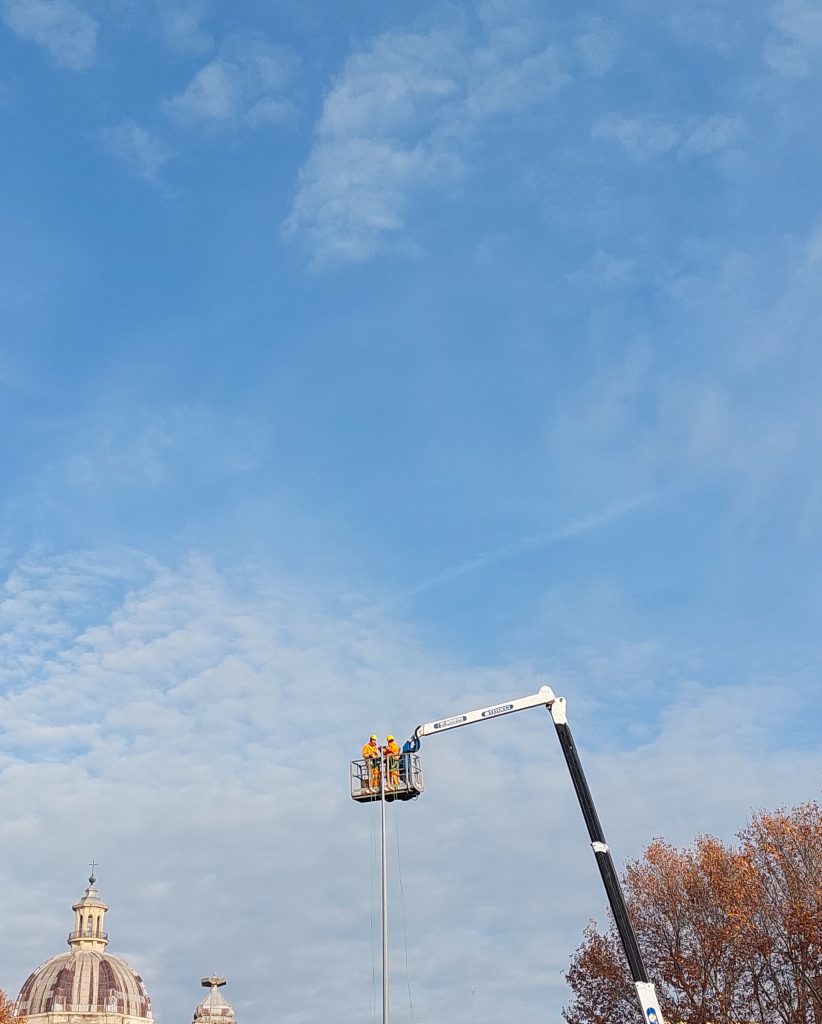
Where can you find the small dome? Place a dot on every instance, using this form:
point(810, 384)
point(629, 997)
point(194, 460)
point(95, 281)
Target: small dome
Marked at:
point(84, 981)
point(213, 1009)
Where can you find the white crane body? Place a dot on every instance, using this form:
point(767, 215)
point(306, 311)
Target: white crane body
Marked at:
point(646, 993)
point(545, 697)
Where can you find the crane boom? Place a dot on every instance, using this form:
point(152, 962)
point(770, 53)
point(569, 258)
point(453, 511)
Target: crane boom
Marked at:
point(646, 993)
point(545, 697)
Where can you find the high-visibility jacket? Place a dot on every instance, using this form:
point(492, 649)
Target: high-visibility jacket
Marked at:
point(391, 749)
point(370, 751)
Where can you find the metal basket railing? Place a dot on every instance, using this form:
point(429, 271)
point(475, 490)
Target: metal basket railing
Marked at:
point(401, 775)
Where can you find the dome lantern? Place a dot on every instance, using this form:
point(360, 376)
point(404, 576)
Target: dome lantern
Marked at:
point(89, 919)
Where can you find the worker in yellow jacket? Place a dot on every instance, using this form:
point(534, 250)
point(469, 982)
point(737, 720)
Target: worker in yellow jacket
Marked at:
point(371, 753)
point(391, 753)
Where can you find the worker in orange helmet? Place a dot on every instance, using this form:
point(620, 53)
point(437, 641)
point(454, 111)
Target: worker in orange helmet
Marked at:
point(371, 753)
point(391, 753)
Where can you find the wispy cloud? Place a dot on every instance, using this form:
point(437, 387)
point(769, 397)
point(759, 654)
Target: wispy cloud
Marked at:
point(141, 149)
point(381, 136)
point(245, 84)
point(60, 26)
point(711, 135)
point(718, 26)
point(502, 82)
point(182, 23)
point(401, 120)
point(744, 415)
point(575, 528)
point(796, 44)
point(122, 447)
point(642, 138)
point(648, 137)
point(597, 44)
point(113, 451)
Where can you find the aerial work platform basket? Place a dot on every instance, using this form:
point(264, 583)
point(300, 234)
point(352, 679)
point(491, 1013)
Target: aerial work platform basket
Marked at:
point(402, 778)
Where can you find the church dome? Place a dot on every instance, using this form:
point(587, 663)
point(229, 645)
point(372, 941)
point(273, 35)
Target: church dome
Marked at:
point(86, 979)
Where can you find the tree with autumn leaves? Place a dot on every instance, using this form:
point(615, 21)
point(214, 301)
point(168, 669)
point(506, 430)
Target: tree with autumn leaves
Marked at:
point(729, 934)
point(7, 1011)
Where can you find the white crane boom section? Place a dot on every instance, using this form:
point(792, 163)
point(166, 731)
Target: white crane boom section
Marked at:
point(545, 697)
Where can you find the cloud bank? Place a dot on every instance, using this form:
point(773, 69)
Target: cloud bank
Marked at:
point(200, 726)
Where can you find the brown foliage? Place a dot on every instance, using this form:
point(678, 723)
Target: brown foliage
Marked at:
point(7, 1011)
point(729, 935)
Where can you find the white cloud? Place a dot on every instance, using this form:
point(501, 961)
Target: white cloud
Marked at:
point(115, 450)
point(400, 119)
point(142, 150)
point(182, 24)
point(648, 138)
point(608, 271)
point(383, 133)
point(201, 726)
point(597, 45)
point(643, 138)
point(61, 26)
point(712, 135)
point(122, 447)
point(354, 194)
point(511, 16)
point(499, 86)
point(387, 88)
point(244, 84)
point(797, 43)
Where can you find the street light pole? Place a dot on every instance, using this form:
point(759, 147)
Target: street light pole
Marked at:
point(384, 876)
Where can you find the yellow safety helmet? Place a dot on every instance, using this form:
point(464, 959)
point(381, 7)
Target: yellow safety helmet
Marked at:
point(372, 736)
point(390, 739)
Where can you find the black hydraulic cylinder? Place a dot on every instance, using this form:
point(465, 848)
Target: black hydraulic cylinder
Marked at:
point(602, 854)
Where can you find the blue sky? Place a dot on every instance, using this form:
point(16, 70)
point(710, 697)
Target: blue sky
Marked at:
point(363, 363)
